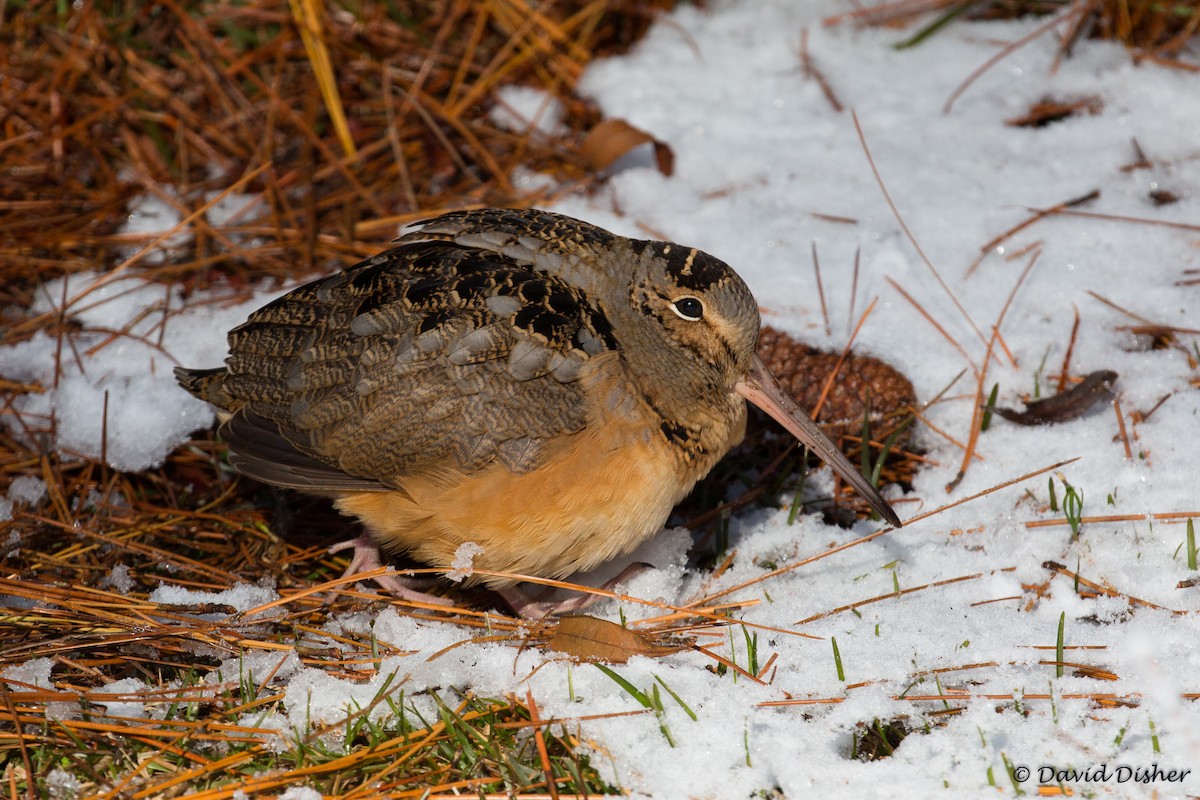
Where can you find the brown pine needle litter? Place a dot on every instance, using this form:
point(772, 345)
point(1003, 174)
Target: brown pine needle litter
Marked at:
point(1155, 31)
point(343, 125)
point(379, 115)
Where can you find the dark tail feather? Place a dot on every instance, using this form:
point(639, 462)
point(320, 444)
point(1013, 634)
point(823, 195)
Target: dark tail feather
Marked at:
point(206, 384)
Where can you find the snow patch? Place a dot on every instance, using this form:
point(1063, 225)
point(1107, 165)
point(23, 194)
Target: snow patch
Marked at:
point(463, 565)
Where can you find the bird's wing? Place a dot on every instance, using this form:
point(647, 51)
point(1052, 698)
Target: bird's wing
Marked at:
point(431, 355)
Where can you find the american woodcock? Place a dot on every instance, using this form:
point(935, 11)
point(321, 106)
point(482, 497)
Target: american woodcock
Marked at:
point(519, 380)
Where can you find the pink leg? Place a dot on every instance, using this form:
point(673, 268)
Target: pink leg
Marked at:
point(528, 607)
point(366, 558)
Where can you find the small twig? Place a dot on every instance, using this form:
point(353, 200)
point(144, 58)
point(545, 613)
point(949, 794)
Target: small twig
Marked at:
point(827, 386)
point(977, 415)
point(833, 218)
point(1164, 223)
point(1105, 590)
point(892, 595)
point(1065, 374)
point(946, 435)
point(908, 233)
point(820, 287)
point(886, 12)
point(20, 737)
point(1076, 9)
point(1139, 161)
point(1037, 215)
point(540, 741)
point(1123, 310)
point(853, 286)
point(908, 526)
point(1068, 40)
point(1121, 426)
point(811, 71)
point(936, 325)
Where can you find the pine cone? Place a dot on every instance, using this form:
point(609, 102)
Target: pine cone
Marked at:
point(860, 381)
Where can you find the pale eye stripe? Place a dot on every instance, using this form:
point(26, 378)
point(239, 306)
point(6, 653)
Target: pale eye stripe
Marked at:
point(687, 264)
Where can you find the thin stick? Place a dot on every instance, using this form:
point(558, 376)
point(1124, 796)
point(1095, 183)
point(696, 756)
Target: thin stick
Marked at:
point(820, 287)
point(977, 414)
point(827, 387)
point(908, 525)
point(885, 12)
point(936, 325)
point(810, 71)
point(1127, 699)
point(945, 435)
point(104, 431)
point(1067, 41)
point(1140, 161)
point(833, 218)
point(1124, 311)
point(1104, 590)
point(1004, 346)
point(912, 239)
point(1067, 212)
point(902, 592)
point(20, 736)
point(1066, 365)
point(1163, 516)
point(722, 660)
point(853, 286)
point(1037, 215)
point(1121, 426)
point(1006, 50)
point(540, 741)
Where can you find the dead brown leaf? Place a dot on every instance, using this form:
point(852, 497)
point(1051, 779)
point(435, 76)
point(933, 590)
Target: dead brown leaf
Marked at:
point(614, 138)
point(591, 639)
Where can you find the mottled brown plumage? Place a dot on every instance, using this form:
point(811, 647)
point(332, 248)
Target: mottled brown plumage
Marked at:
point(517, 379)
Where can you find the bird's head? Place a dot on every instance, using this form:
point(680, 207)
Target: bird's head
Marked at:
point(709, 323)
point(701, 310)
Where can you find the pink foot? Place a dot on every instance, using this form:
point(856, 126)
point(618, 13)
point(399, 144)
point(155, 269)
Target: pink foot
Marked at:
point(366, 558)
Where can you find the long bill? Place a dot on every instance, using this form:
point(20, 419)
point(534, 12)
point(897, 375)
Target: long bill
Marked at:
point(761, 388)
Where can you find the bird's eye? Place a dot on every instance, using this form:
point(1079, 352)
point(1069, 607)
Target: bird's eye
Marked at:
point(689, 308)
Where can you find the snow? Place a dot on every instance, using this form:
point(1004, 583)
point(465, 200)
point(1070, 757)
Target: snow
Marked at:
point(27, 489)
point(300, 793)
point(128, 706)
point(118, 578)
point(151, 216)
point(463, 564)
point(119, 397)
point(229, 208)
point(251, 668)
point(24, 489)
point(522, 108)
point(33, 674)
point(762, 160)
point(62, 785)
point(242, 596)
